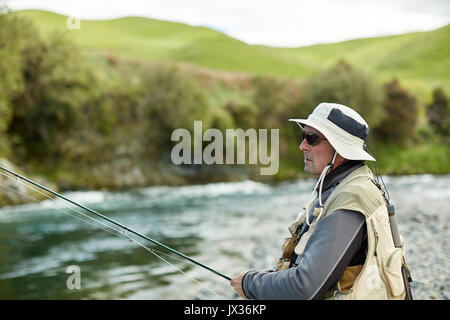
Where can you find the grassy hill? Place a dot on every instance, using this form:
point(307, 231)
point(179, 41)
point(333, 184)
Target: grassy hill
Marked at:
point(420, 59)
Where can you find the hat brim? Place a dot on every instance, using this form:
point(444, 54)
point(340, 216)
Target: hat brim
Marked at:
point(346, 150)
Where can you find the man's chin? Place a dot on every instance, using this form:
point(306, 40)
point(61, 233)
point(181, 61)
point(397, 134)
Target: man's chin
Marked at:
point(307, 169)
point(310, 170)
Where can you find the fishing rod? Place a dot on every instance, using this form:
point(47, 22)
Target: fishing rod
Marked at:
point(117, 223)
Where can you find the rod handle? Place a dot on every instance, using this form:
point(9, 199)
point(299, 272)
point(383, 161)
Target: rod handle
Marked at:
point(394, 228)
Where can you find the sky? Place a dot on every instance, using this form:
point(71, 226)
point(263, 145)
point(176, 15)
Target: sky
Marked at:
point(280, 23)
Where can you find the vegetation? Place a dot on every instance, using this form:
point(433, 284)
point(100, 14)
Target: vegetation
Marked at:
point(343, 84)
point(418, 59)
point(438, 114)
point(83, 118)
point(400, 114)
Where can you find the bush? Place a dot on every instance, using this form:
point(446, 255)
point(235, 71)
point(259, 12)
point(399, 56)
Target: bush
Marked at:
point(438, 113)
point(270, 100)
point(345, 85)
point(244, 114)
point(55, 82)
point(12, 32)
point(115, 102)
point(173, 100)
point(401, 111)
point(277, 101)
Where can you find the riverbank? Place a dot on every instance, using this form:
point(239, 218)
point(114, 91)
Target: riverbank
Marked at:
point(126, 173)
point(16, 192)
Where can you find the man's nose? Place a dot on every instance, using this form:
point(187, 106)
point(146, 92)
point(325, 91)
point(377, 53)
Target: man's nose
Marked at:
point(304, 145)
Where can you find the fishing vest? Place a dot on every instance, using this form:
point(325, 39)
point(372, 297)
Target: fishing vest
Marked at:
point(380, 276)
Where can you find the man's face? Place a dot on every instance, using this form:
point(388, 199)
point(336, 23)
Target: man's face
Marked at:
point(318, 156)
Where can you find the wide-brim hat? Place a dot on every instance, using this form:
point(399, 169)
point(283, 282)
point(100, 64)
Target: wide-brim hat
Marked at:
point(343, 127)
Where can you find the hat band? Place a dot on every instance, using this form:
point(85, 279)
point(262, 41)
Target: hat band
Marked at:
point(348, 124)
point(328, 128)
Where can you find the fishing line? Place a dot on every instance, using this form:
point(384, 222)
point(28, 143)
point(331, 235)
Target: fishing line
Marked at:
point(117, 223)
point(152, 251)
point(117, 232)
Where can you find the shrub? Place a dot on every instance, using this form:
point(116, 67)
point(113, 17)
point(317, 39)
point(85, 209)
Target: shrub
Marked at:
point(244, 114)
point(270, 100)
point(401, 111)
point(173, 99)
point(12, 31)
point(345, 85)
point(55, 82)
point(438, 113)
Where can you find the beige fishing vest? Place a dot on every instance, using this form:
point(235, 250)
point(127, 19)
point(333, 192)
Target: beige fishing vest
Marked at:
point(380, 276)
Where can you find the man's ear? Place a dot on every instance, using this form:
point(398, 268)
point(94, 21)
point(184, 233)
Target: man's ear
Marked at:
point(339, 160)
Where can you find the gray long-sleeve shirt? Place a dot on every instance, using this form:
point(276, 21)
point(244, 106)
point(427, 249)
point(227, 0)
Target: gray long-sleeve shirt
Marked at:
point(339, 240)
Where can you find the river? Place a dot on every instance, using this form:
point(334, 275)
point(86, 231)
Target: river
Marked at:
point(231, 227)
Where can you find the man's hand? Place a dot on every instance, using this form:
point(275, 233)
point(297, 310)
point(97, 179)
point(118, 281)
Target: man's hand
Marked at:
point(236, 283)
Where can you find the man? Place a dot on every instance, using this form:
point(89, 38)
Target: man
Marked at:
point(341, 245)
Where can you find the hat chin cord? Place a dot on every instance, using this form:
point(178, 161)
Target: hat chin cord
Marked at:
point(319, 183)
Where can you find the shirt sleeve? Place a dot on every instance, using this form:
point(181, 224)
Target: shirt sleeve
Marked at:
point(337, 238)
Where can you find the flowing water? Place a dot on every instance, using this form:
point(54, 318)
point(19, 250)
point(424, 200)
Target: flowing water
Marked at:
point(230, 227)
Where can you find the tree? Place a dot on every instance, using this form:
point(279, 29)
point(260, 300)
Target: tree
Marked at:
point(244, 114)
point(270, 100)
point(438, 113)
point(345, 85)
point(401, 111)
point(173, 100)
point(56, 82)
point(12, 32)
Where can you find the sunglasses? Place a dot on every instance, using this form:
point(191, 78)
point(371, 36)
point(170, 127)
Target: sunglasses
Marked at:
point(312, 138)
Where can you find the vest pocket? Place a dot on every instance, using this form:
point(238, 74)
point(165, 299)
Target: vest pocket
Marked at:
point(391, 266)
point(347, 280)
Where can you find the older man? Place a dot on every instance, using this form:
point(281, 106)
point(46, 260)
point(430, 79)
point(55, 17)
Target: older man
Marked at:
point(341, 245)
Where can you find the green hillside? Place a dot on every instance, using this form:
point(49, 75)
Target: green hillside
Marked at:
point(421, 59)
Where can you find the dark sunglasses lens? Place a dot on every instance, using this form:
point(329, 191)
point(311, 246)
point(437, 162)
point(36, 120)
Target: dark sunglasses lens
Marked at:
point(311, 138)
